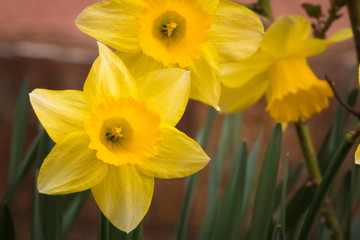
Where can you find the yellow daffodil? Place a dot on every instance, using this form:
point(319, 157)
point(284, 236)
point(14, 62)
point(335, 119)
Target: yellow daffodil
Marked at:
point(280, 71)
point(191, 34)
point(116, 136)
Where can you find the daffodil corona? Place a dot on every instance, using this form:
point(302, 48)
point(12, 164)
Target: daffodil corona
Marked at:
point(115, 136)
point(280, 71)
point(192, 34)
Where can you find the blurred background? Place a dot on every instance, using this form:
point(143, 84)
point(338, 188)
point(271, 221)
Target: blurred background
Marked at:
point(39, 42)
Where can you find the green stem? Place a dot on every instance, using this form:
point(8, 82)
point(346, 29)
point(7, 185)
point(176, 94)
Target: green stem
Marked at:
point(266, 9)
point(354, 14)
point(329, 175)
point(308, 150)
point(312, 165)
point(192, 181)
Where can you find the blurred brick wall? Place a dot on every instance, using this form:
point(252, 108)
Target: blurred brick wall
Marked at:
point(39, 40)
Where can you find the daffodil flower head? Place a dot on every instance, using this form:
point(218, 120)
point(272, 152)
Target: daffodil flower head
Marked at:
point(195, 35)
point(279, 71)
point(116, 136)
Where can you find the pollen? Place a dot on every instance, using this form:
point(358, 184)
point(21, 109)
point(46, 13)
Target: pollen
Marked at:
point(169, 28)
point(114, 133)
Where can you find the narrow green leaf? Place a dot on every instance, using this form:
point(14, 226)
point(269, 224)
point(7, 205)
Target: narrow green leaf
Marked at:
point(355, 228)
point(23, 169)
point(282, 212)
point(231, 204)
point(216, 172)
point(7, 230)
point(251, 164)
point(192, 181)
point(298, 204)
point(294, 175)
point(279, 233)
point(47, 217)
point(72, 205)
point(265, 193)
point(18, 132)
point(343, 207)
point(329, 175)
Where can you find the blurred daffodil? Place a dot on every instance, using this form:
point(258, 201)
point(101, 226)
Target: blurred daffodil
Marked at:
point(280, 71)
point(192, 34)
point(115, 136)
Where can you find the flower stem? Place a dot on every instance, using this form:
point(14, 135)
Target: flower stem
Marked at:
point(307, 147)
point(312, 165)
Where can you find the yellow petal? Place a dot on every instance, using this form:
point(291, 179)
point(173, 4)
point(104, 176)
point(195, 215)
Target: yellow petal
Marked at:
point(60, 112)
point(341, 35)
point(313, 46)
point(166, 92)
point(124, 196)
point(237, 74)
point(179, 156)
point(236, 32)
point(285, 35)
point(295, 91)
point(237, 99)
point(139, 64)
point(205, 81)
point(210, 5)
point(113, 23)
point(71, 167)
point(357, 155)
point(108, 77)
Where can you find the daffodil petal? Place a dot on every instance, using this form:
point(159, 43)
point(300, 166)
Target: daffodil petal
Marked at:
point(313, 46)
point(292, 96)
point(285, 35)
point(341, 35)
point(357, 155)
point(210, 5)
point(139, 64)
point(113, 23)
point(71, 167)
point(237, 74)
point(237, 99)
point(108, 77)
point(167, 92)
point(60, 112)
point(236, 32)
point(178, 156)
point(124, 196)
point(205, 81)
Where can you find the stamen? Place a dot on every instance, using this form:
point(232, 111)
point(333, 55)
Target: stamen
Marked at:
point(114, 133)
point(169, 28)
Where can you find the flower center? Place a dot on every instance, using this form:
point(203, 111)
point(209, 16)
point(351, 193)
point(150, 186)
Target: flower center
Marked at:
point(173, 31)
point(123, 131)
point(116, 134)
point(169, 27)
